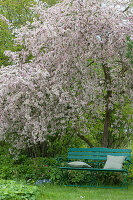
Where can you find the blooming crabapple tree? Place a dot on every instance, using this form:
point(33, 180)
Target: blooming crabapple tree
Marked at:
point(78, 69)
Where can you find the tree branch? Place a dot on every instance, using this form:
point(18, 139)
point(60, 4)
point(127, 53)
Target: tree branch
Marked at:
point(82, 137)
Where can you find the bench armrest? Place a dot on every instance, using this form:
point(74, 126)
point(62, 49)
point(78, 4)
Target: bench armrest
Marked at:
point(130, 162)
point(60, 160)
point(127, 164)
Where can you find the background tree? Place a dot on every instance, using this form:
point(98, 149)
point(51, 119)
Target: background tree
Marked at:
point(13, 14)
point(5, 40)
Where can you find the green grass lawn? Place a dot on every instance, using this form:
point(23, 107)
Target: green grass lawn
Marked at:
point(18, 190)
point(51, 192)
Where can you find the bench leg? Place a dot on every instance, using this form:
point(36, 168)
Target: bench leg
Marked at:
point(64, 176)
point(124, 179)
point(93, 180)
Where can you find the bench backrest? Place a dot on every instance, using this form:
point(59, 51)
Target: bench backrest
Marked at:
point(97, 153)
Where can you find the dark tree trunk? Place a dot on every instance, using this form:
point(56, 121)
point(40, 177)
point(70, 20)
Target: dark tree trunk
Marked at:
point(107, 81)
point(106, 128)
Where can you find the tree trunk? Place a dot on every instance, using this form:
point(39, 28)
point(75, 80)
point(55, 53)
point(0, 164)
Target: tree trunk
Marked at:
point(108, 110)
point(106, 129)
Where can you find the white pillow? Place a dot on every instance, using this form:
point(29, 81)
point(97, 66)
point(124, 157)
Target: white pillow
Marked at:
point(114, 162)
point(78, 164)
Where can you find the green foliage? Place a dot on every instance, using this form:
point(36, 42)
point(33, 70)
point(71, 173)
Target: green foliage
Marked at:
point(84, 178)
point(27, 168)
point(5, 42)
point(51, 2)
point(16, 191)
point(131, 167)
point(17, 11)
point(6, 163)
point(33, 170)
point(59, 144)
point(40, 169)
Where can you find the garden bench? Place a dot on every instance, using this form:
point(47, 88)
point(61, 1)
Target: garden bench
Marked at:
point(96, 158)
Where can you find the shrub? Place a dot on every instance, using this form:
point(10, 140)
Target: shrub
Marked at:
point(44, 170)
point(27, 168)
point(16, 191)
point(84, 178)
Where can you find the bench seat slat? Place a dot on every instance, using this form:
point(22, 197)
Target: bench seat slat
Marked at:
point(93, 169)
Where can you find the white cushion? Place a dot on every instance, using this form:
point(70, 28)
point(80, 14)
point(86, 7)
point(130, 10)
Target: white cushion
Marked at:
point(114, 162)
point(78, 164)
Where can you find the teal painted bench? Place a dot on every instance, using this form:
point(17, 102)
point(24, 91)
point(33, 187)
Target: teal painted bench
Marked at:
point(97, 158)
